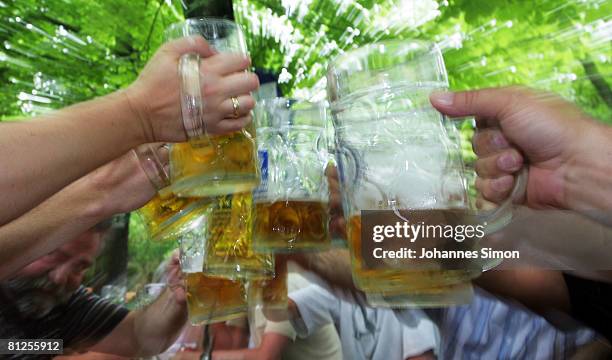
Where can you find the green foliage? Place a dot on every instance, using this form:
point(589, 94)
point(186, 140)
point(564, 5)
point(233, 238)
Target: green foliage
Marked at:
point(486, 43)
point(57, 53)
point(145, 255)
point(60, 52)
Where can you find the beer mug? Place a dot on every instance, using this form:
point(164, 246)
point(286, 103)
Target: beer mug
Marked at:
point(274, 294)
point(165, 216)
point(292, 199)
point(213, 299)
point(229, 240)
point(271, 294)
point(210, 299)
point(399, 161)
point(209, 164)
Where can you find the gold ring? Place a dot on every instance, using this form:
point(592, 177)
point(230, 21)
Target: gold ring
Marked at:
point(236, 106)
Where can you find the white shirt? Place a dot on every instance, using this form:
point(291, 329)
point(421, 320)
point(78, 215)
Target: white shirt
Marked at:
point(322, 344)
point(365, 332)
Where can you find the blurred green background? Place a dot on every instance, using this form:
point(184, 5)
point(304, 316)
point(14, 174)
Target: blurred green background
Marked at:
point(58, 52)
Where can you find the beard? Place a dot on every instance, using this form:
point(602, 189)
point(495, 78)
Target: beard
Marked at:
point(36, 297)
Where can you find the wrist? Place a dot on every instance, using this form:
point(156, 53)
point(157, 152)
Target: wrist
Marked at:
point(175, 310)
point(138, 114)
point(97, 189)
point(586, 178)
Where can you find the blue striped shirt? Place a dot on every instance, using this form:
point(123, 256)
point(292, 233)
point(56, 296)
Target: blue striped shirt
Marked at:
point(489, 328)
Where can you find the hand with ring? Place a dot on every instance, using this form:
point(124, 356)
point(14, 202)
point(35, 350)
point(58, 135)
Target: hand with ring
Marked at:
point(226, 89)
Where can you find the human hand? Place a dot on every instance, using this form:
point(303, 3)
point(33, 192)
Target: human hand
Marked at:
point(175, 279)
point(222, 77)
point(516, 126)
point(155, 95)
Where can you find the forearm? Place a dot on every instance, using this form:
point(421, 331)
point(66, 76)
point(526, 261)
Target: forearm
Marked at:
point(271, 347)
point(334, 266)
point(41, 156)
point(157, 326)
point(57, 220)
point(247, 354)
point(539, 290)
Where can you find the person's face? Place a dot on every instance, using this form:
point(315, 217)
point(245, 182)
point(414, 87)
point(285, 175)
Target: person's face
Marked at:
point(51, 280)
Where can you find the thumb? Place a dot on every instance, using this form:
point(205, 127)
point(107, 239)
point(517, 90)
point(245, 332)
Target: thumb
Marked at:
point(495, 104)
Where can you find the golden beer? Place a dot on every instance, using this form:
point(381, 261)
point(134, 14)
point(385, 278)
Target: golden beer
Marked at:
point(215, 165)
point(229, 246)
point(291, 225)
point(214, 299)
point(398, 281)
point(272, 292)
point(165, 214)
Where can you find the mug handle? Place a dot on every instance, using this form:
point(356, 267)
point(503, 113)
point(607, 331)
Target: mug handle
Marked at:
point(502, 215)
point(192, 105)
point(358, 175)
point(345, 181)
point(349, 153)
point(151, 162)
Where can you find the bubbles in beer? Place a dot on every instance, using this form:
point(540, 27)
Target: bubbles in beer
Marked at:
point(214, 299)
point(289, 225)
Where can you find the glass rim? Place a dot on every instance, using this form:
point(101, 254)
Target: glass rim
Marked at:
point(200, 20)
point(288, 103)
point(281, 112)
point(361, 52)
point(376, 63)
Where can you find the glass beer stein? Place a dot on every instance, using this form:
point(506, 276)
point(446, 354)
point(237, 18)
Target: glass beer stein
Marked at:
point(209, 164)
point(292, 200)
point(271, 292)
point(229, 236)
point(165, 216)
point(210, 299)
point(213, 299)
point(399, 161)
